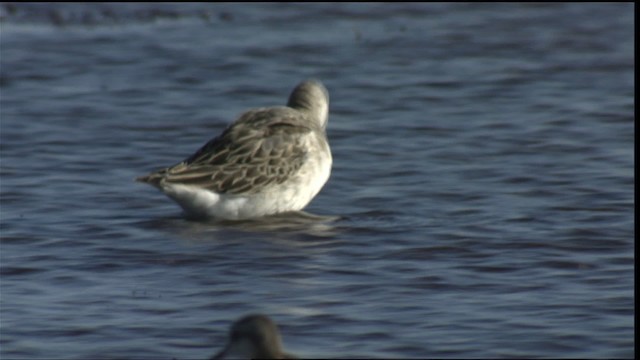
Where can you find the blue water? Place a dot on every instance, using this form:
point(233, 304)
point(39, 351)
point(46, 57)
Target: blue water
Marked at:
point(481, 201)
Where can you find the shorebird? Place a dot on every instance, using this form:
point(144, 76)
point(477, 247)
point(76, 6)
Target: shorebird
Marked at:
point(270, 160)
point(253, 337)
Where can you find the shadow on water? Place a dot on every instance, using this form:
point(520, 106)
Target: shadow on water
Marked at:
point(297, 222)
point(291, 222)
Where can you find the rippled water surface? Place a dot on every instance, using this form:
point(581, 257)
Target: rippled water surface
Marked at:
point(481, 201)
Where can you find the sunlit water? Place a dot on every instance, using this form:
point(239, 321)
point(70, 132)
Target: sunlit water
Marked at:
point(480, 205)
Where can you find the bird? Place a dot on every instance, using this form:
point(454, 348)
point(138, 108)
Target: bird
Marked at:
point(253, 336)
point(270, 160)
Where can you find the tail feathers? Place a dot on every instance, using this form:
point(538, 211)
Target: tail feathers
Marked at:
point(153, 179)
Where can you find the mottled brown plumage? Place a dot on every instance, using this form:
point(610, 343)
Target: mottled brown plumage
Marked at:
point(267, 149)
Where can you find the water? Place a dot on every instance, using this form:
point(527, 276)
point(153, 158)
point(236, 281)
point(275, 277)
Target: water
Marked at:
point(481, 202)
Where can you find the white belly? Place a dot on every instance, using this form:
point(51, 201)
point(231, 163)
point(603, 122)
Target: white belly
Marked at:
point(292, 195)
